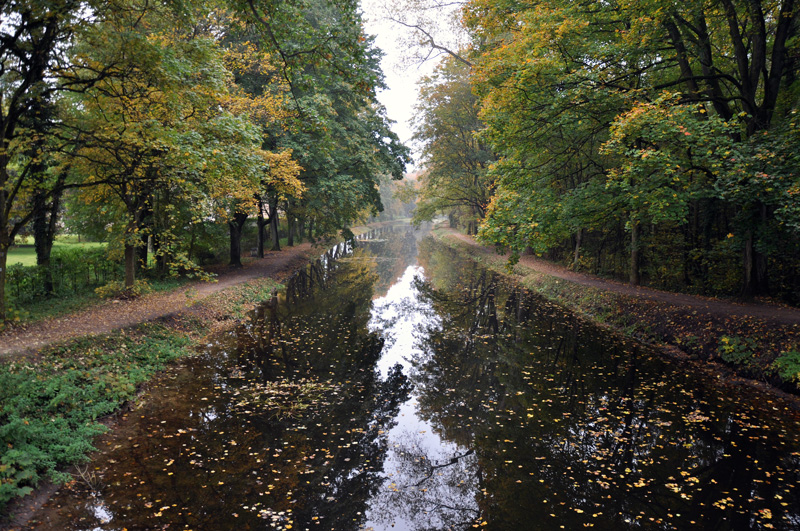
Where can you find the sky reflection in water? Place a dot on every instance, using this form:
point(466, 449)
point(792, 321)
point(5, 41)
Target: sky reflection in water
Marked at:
point(434, 395)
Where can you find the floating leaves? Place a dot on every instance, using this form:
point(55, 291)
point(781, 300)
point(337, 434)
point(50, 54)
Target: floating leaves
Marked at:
point(519, 411)
point(283, 398)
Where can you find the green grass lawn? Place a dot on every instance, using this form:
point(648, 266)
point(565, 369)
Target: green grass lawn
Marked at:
point(25, 254)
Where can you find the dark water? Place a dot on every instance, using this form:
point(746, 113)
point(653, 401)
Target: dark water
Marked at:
point(384, 391)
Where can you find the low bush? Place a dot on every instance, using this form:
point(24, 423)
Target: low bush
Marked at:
point(117, 290)
point(736, 350)
point(787, 365)
point(49, 411)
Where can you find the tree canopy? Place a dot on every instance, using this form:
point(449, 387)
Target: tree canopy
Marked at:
point(455, 181)
point(645, 139)
point(160, 119)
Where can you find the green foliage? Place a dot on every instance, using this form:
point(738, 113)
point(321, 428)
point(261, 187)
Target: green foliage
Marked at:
point(168, 143)
point(36, 37)
point(72, 270)
point(617, 123)
point(49, 411)
point(455, 181)
point(174, 115)
point(344, 150)
point(736, 350)
point(338, 130)
point(787, 365)
point(118, 290)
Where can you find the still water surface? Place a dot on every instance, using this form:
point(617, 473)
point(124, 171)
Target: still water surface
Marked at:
point(395, 386)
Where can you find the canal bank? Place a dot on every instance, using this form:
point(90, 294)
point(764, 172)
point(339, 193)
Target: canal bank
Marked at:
point(88, 370)
point(738, 343)
point(433, 393)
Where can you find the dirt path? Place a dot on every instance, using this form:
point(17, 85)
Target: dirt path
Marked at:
point(111, 315)
point(774, 313)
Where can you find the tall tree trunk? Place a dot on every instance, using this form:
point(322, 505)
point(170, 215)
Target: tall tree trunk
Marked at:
point(576, 261)
point(235, 227)
point(636, 228)
point(300, 229)
point(43, 238)
point(161, 257)
point(755, 281)
point(45, 220)
point(290, 223)
point(273, 225)
point(4, 246)
point(136, 210)
point(260, 225)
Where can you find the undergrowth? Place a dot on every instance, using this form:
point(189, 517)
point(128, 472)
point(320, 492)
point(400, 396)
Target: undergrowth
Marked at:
point(50, 409)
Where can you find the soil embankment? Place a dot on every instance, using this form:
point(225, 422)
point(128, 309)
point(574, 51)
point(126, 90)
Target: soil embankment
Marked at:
point(688, 327)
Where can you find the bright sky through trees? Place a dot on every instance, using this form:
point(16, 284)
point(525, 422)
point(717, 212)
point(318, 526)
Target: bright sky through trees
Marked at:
point(401, 92)
point(401, 70)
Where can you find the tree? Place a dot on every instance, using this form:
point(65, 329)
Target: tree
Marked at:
point(156, 126)
point(546, 119)
point(454, 181)
point(260, 93)
point(34, 37)
point(337, 131)
point(553, 77)
point(344, 143)
point(428, 29)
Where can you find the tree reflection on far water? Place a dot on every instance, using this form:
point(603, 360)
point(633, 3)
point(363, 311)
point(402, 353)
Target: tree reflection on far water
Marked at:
point(379, 393)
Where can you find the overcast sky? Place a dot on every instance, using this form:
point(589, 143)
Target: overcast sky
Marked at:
point(400, 97)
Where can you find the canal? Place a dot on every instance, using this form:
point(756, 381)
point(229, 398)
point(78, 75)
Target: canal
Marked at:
point(395, 385)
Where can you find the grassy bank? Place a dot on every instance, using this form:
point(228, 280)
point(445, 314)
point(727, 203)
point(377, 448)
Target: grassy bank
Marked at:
point(51, 406)
point(24, 252)
point(751, 347)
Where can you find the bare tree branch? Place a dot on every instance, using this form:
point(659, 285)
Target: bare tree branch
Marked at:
point(432, 42)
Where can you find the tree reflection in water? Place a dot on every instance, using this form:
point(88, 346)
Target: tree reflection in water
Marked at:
point(426, 492)
point(573, 427)
point(428, 483)
point(455, 400)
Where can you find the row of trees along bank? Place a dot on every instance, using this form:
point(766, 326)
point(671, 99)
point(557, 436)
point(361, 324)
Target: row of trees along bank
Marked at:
point(149, 119)
point(649, 140)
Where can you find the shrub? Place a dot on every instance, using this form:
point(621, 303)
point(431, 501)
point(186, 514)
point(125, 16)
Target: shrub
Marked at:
point(787, 365)
point(72, 270)
point(736, 350)
point(49, 411)
point(117, 290)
